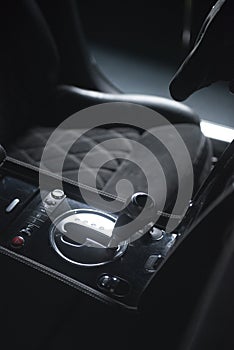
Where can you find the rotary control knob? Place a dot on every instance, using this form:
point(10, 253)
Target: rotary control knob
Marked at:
point(57, 194)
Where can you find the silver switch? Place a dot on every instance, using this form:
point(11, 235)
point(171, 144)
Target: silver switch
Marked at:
point(12, 205)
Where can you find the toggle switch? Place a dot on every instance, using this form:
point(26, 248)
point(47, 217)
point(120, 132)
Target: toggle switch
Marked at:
point(12, 205)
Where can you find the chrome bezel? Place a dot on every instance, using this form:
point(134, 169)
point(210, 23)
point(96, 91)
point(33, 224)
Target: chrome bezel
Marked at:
point(119, 251)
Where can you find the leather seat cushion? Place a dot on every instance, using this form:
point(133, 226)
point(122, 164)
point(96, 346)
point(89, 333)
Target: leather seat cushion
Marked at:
point(29, 149)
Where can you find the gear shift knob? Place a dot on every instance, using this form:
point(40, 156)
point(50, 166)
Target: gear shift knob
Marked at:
point(138, 202)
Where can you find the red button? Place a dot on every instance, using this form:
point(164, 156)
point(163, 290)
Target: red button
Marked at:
point(17, 242)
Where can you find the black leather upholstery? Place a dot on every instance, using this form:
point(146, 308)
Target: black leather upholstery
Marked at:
point(70, 99)
point(29, 148)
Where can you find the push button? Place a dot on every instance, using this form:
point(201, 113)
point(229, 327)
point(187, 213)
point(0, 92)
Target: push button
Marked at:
point(113, 285)
point(27, 231)
point(17, 242)
point(108, 283)
point(50, 202)
point(156, 234)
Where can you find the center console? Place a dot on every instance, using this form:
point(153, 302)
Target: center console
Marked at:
point(53, 230)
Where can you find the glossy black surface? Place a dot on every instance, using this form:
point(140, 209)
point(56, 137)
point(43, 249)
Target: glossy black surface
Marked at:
point(35, 227)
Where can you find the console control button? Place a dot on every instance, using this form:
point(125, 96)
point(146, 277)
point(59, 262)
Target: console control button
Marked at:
point(108, 283)
point(156, 234)
point(33, 221)
point(12, 205)
point(50, 202)
point(31, 226)
point(26, 231)
point(42, 210)
point(153, 262)
point(17, 242)
point(57, 194)
point(39, 216)
point(113, 285)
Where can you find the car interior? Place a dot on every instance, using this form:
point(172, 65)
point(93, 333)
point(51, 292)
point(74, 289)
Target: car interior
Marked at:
point(85, 89)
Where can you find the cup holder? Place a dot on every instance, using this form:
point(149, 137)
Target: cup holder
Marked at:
point(81, 237)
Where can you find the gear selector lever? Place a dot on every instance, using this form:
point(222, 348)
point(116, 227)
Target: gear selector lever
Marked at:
point(89, 237)
point(137, 216)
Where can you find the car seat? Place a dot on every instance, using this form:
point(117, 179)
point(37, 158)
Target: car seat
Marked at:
point(47, 74)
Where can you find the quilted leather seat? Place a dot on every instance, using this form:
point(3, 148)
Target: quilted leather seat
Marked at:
point(29, 149)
